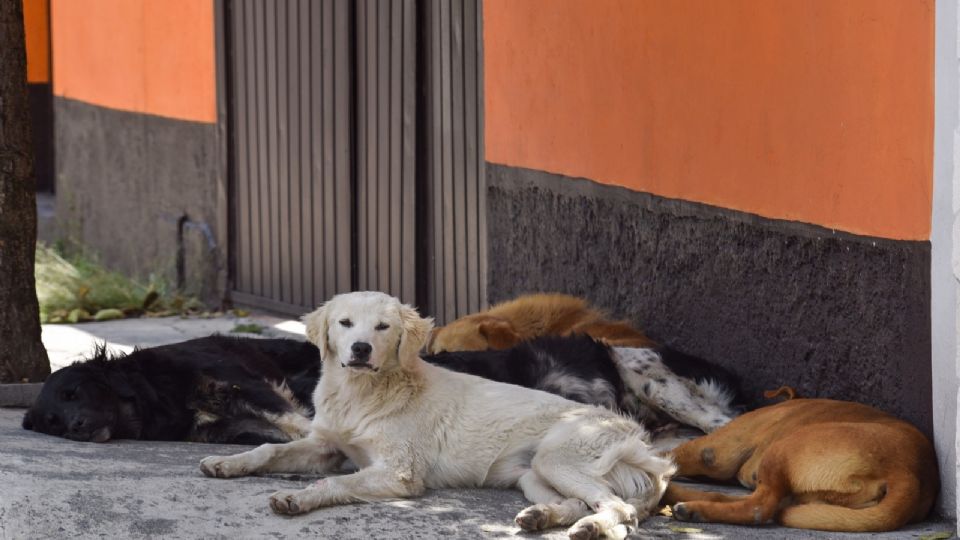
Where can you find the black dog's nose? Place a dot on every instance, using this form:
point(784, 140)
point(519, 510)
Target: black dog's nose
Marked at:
point(78, 423)
point(361, 349)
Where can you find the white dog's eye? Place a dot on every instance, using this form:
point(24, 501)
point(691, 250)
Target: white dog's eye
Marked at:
point(346, 323)
point(381, 326)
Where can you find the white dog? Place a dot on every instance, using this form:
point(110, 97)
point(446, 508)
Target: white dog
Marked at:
point(410, 426)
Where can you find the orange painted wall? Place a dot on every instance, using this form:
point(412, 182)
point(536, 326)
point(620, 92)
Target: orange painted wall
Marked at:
point(37, 30)
point(818, 111)
point(145, 56)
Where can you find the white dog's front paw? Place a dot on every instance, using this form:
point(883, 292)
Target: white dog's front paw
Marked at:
point(534, 518)
point(584, 530)
point(292, 502)
point(223, 466)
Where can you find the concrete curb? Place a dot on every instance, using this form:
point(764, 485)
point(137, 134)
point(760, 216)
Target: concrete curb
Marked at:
point(19, 395)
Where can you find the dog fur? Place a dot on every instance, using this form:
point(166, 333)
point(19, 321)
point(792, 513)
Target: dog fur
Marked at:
point(578, 368)
point(411, 426)
point(530, 316)
point(813, 464)
point(639, 381)
point(213, 389)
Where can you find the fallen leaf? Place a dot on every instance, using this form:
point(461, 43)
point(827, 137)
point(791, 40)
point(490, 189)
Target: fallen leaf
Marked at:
point(108, 315)
point(937, 536)
point(687, 530)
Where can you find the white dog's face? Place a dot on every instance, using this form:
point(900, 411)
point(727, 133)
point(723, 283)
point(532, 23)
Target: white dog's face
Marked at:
point(367, 331)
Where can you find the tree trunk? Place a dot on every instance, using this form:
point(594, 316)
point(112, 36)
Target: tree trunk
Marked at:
point(22, 356)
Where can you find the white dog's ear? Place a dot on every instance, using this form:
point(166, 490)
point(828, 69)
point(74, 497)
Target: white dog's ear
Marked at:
point(316, 325)
point(416, 332)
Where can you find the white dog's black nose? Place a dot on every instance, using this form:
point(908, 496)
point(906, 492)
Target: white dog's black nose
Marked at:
point(361, 350)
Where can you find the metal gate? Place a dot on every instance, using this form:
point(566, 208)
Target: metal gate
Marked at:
point(355, 152)
point(386, 136)
point(455, 184)
point(290, 156)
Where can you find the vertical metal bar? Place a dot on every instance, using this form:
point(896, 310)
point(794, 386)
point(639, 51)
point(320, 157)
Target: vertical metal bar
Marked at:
point(436, 149)
point(395, 207)
point(342, 144)
point(304, 246)
point(272, 247)
point(363, 130)
point(457, 136)
point(295, 195)
point(260, 193)
point(481, 162)
point(471, 187)
point(446, 97)
point(408, 117)
point(328, 177)
point(382, 181)
point(318, 178)
point(369, 200)
point(282, 205)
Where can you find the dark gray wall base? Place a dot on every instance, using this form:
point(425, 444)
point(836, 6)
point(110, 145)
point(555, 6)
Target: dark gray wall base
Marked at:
point(831, 314)
point(141, 192)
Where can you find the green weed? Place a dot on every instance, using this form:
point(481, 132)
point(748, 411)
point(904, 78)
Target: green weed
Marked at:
point(77, 288)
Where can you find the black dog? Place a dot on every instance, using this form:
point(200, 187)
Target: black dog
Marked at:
point(576, 367)
point(213, 389)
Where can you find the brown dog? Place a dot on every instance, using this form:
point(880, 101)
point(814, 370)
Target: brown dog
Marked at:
point(533, 315)
point(814, 464)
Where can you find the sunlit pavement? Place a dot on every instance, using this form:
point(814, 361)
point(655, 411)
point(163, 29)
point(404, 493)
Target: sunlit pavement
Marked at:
point(67, 343)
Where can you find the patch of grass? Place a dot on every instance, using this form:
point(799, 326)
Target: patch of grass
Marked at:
point(247, 328)
point(77, 288)
point(937, 536)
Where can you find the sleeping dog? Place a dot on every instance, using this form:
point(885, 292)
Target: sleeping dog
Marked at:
point(232, 390)
point(213, 389)
point(813, 464)
point(657, 386)
point(530, 316)
point(410, 426)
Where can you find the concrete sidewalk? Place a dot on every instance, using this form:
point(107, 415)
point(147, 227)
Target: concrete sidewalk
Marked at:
point(67, 343)
point(55, 488)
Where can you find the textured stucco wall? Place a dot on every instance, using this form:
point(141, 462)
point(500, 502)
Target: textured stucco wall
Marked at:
point(148, 56)
point(834, 315)
point(136, 189)
point(818, 111)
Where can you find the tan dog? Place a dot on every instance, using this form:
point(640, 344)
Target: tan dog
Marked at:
point(814, 464)
point(530, 316)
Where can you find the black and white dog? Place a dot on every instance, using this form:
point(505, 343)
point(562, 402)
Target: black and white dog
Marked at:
point(250, 391)
point(214, 389)
point(658, 386)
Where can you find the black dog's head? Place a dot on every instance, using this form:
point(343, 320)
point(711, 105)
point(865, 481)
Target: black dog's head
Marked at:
point(82, 402)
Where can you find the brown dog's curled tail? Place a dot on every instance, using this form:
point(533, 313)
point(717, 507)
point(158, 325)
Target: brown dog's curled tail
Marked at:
point(784, 391)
